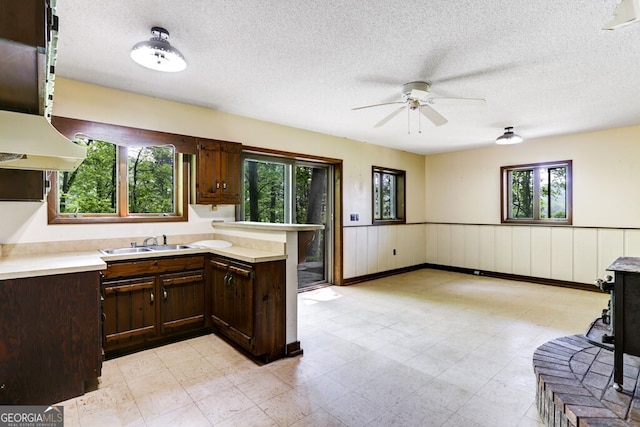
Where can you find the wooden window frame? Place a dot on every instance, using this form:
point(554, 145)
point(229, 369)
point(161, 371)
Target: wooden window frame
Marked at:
point(124, 136)
point(505, 192)
point(401, 199)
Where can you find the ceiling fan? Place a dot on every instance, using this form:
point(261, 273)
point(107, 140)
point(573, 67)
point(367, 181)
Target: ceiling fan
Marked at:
point(414, 97)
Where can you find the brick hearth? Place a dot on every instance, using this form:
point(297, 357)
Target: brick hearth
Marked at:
point(574, 380)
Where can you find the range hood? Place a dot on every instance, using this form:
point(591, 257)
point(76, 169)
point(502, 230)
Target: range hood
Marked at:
point(36, 143)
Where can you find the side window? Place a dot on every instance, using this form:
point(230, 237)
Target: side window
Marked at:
point(388, 194)
point(537, 193)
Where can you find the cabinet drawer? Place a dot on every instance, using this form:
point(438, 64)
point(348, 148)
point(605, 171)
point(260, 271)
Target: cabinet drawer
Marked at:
point(152, 266)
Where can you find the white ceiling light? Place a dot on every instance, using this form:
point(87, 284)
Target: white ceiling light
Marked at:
point(157, 53)
point(508, 137)
point(627, 12)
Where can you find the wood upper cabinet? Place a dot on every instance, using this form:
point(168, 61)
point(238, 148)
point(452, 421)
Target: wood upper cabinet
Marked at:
point(21, 185)
point(248, 304)
point(24, 21)
point(218, 172)
point(24, 33)
point(150, 300)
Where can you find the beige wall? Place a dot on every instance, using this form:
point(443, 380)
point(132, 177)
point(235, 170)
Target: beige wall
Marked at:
point(26, 222)
point(464, 187)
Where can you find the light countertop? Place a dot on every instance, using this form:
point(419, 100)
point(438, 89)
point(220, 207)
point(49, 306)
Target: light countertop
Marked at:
point(267, 226)
point(15, 267)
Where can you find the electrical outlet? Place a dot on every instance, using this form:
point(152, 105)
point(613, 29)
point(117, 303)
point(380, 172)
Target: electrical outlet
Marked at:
point(355, 217)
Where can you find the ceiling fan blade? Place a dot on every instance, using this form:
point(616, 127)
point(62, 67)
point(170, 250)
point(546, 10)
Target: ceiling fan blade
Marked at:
point(497, 69)
point(378, 105)
point(433, 116)
point(456, 101)
point(389, 117)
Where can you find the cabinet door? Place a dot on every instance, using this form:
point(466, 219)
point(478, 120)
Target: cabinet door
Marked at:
point(129, 311)
point(19, 185)
point(241, 283)
point(182, 301)
point(49, 338)
point(230, 167)
point(222, 298)
point(208, 172)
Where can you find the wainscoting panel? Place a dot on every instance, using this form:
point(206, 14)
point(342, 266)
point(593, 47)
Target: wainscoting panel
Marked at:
point(503, 249)
point(522, 255)
point(372, 250)
point(432, 243)
point(362, 258)
point(574, 254)
point(350, 250)
point(585, 255)
point(457, 245)
point(472, 246)
point(386, 244)
point(562, 253)
point(610, 246)
point(444, 244)
point(632, 243)
point(487, 248)
point(540, 253)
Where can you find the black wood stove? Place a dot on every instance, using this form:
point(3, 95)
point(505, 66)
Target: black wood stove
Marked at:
point(618, 328)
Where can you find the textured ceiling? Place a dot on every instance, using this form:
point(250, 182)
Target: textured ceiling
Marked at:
point(545, 67)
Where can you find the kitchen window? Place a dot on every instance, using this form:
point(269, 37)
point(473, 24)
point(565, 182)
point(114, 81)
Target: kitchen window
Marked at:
point(388, 189)
point(120, 184)
point(537, 193)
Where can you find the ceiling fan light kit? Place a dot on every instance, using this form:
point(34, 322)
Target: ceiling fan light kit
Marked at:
point(627, 12)
point(508, 137)
point(415, 97)
point(158, 54)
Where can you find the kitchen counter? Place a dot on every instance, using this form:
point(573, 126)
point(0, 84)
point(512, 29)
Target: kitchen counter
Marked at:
point(266, 226)
point(15, 267)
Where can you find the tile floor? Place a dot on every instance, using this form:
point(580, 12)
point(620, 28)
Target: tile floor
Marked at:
point(426, 348)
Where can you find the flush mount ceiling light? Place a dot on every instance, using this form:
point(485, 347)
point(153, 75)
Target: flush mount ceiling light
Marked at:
point(157, 53)
point(508, 137)
point(627, 12)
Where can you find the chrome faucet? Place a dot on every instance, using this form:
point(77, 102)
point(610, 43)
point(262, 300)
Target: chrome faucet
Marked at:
point(154, 239)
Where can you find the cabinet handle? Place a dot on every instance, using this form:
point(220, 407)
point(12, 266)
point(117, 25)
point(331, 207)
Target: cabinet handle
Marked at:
point(228, 278)
point(224, 185)
point(164, 293)
point(217, 184)
point(151, 294)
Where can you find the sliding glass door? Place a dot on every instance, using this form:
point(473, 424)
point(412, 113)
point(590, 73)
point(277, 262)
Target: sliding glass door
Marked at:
point(288, 191)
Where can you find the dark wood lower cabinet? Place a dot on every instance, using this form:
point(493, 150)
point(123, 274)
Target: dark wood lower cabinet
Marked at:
point(50, 344)
point(130, 316)
point(248, 304)
point(183, 301)
point(152, 300)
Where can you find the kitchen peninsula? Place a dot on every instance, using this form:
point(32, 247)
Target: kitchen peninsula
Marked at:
point(285, 236)
point(51, 314)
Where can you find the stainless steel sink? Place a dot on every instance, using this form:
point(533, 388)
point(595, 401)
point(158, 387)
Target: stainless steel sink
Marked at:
point(172, 247)
point(124, 251)
point(140, 249)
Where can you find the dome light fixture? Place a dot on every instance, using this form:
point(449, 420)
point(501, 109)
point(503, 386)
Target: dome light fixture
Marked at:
point(158, 54)
point(508, 137)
